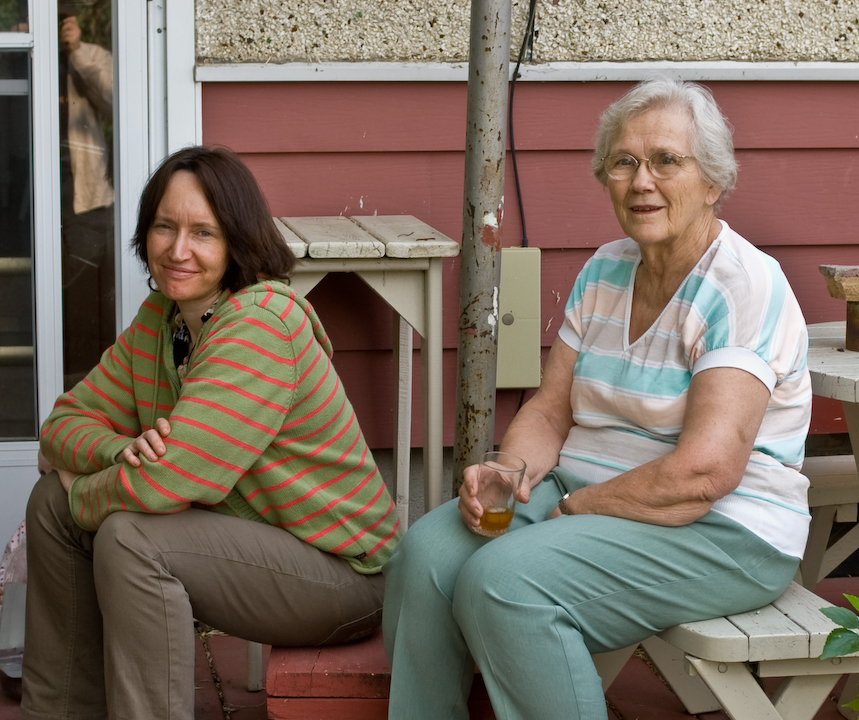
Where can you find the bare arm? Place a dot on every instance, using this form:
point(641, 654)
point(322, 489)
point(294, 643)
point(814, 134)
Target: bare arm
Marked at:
point(536, 434)
point(724, 411)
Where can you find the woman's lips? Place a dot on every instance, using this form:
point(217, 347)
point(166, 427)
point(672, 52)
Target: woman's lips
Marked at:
point(177, 272)
point(644, 208)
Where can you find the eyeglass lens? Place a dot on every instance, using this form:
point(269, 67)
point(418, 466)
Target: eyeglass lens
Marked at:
point(662, 165)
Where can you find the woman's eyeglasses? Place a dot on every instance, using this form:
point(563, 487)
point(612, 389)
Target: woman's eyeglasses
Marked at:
point(662, 165)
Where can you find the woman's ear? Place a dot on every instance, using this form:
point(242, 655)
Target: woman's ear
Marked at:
point(713, 195)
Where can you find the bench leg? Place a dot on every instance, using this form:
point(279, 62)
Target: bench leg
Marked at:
point(742, 698)
point(799, 698)
point(736, 689)
point(815, 549)
point(850, 692)
point(609, 664)
point(689, 689)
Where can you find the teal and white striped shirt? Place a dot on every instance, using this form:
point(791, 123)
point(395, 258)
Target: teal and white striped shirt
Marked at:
point(735, 309)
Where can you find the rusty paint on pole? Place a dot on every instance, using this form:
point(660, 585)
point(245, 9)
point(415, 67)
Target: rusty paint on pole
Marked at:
point(482, 214)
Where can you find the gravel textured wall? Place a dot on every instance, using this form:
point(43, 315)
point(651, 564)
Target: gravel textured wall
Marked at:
point(573, 30)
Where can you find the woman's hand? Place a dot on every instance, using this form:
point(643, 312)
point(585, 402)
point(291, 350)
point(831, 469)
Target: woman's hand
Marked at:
point(67, 477)
point(150, 444)
point(44, 466)
point(469, 505)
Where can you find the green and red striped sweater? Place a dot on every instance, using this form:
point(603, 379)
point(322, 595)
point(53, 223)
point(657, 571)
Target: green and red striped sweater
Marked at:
point(261, 428)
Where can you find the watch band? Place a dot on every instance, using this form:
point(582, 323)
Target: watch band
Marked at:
point(563, 507)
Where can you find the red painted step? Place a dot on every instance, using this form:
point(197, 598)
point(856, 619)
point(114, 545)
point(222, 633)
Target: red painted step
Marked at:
point(341, 681)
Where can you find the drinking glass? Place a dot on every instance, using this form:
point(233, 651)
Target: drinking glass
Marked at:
point(499, 475)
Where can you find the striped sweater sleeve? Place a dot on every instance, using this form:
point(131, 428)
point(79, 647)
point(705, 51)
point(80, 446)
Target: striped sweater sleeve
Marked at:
point(234, 399)
point(95, 420)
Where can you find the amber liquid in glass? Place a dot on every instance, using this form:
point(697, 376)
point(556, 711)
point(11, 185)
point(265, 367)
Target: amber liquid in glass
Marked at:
point(496, 518)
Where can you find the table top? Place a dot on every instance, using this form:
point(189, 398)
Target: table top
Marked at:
point(834, 370)
point(364, 236)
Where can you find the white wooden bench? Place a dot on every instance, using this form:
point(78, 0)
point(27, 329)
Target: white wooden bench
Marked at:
point(713, 664)
point(832, 497)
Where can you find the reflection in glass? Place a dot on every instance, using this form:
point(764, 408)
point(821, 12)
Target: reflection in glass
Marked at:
point(17, 298)
point(86, 132)
point(13, 16)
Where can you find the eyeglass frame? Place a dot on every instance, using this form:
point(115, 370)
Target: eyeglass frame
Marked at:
point(646, 161)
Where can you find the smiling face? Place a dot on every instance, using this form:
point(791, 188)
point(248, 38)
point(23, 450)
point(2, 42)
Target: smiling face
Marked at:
point(185, 245)
point(656, 212)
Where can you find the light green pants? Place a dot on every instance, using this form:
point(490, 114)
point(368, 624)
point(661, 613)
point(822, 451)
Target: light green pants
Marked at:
point(530, 607)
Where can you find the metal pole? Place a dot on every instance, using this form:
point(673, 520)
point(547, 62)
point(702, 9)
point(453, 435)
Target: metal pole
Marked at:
point(483, 205)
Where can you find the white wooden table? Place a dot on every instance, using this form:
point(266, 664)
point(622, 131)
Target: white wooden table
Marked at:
point(399, 257)
point(835, 371)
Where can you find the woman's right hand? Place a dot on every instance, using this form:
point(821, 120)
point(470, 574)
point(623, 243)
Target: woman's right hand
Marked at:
point(469, 505)
point(150, 444)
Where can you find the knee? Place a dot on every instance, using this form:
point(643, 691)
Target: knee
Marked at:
point(48, 503)
point(117, 542)
point(410, 562)
point(428, 559)
point(482, 591)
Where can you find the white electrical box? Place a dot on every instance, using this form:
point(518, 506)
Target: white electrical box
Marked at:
point(519, 319)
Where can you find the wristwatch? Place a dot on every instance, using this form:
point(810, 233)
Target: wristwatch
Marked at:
point(563, 507)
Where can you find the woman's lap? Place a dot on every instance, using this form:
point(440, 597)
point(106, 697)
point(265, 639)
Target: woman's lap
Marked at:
point(548, 593)
point(129, 592)
point(246, 578)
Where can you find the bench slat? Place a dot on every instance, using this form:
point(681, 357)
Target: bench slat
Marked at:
point(713, 639)
point(334, 237)
point(803, 607)
point(772, 636)
point(833, 480)
point(295, 243)
point(792, 627)
point(404, 236)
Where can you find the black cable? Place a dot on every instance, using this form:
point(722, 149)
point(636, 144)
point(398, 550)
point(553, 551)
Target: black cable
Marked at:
point(527, 42)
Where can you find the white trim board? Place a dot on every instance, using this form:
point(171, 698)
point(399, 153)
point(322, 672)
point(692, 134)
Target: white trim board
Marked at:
point(546, 72)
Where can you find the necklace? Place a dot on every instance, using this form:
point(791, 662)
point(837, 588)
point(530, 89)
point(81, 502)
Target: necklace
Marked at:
point(182, 347)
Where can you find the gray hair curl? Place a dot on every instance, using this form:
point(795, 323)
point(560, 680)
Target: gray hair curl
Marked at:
point(712, 144)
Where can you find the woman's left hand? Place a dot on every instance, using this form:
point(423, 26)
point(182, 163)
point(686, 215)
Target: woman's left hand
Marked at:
point(150, 444)
point(67, 477)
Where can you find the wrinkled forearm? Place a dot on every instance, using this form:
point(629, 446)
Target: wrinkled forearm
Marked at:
point(533, 437)
point(658, 493)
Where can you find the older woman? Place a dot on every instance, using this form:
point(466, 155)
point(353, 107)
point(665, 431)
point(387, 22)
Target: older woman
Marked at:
point(662, 448)
point(209, 467)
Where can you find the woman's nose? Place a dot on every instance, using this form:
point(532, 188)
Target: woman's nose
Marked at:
point(180, 247)
point(643, 178)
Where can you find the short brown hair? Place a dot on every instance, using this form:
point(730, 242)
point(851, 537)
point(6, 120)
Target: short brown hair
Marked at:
point(255, 246)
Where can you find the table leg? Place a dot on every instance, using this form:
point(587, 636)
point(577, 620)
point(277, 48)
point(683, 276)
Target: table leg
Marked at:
point(851, 416)
point(403, 348)
point(431, 361)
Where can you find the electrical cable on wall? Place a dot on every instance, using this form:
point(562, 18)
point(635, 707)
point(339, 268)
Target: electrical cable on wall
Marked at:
point(527, 43)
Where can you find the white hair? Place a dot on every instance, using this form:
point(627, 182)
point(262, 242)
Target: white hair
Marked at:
point(712, 144)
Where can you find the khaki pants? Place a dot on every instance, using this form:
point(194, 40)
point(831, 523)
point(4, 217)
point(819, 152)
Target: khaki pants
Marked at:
point(110, 614)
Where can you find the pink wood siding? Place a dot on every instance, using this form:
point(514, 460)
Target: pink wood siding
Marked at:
point(390, 148)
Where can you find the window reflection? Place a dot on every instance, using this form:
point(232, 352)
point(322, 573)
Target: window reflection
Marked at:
point(17, 299)
point(86, 138)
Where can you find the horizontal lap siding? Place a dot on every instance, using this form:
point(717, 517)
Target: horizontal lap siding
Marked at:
point(392, 148)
